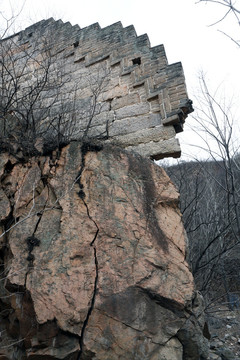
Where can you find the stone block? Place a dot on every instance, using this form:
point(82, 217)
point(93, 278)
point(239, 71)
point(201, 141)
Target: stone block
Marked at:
point(133, 124)
point(158, 149)
point(117, 91)
point(144, 136)
point(171, 120)
point(127, 100)
point(132, 110)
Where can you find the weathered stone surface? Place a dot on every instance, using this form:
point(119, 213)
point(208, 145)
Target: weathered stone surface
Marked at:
point(132, 110)
point(5, 207)
point(3, 161)
point(145, 136)
point(134, 124)
point(88, 73)
point(95, 267)
point(196, 346)
point(169, 147)
point(125, 101)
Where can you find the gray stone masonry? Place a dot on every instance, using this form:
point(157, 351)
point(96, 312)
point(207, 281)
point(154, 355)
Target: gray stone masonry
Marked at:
point(105, 83)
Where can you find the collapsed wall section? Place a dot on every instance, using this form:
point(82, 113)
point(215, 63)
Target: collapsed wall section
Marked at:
point(105, 83)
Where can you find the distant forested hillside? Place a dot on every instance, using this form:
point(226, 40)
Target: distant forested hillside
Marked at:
point(210, 204)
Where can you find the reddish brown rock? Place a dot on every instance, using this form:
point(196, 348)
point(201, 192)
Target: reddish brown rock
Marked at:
point(4, 206)
point(96, 259)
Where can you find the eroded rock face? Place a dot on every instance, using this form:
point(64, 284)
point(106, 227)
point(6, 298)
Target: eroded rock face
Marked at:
point(93, 259)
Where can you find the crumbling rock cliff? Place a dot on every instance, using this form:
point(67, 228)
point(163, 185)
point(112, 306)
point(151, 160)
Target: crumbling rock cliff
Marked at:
point(93, 260)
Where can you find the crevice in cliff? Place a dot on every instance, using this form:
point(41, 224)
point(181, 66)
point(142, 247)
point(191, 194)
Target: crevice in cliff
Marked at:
point(32, 241)
point(85, 148)
point(10, 191)
point(9, 220)
point(164, 302)
point(7, 169)
point(81, 339)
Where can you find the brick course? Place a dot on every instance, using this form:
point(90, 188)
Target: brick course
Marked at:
point(141, 101)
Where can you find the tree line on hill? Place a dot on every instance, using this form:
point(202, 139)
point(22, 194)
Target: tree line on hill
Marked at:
point(210, 208)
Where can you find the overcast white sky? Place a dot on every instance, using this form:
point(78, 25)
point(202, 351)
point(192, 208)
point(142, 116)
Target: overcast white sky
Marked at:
point(181, 25)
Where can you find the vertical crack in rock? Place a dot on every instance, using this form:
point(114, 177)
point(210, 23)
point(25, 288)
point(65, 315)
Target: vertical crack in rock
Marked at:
point(8, 220)
point(95, 286)
point(32, 241)
point(92, 302)
point(85, 148)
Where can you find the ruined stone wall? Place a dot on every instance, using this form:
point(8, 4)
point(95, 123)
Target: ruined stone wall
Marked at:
point(108, 80)
point(92, 245)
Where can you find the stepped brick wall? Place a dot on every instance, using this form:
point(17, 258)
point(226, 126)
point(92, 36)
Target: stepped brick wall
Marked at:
point(106, 83)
